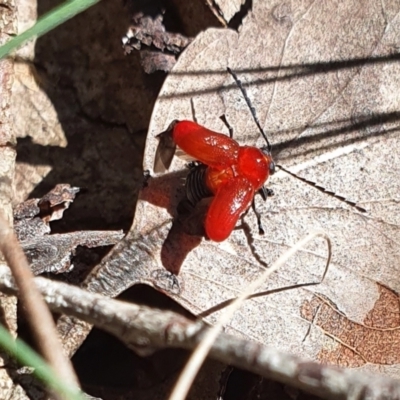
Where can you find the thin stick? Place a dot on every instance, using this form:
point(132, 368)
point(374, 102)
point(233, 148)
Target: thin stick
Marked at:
point(144, 330)
point(37, 312)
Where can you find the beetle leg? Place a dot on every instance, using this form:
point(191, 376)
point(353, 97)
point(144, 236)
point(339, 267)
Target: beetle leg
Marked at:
point(193, 110)
point(227, 124)
point(265, 192)
point(258, 216)
point(145, 178)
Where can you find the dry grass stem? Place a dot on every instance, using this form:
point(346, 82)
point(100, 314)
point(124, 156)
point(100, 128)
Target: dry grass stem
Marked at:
point(36, 310)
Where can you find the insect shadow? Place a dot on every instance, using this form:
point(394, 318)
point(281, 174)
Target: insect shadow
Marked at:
point(168, 191)
point(187, 231)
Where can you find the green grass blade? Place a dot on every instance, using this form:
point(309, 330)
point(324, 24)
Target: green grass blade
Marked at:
point(47, 22)
point(26, 356)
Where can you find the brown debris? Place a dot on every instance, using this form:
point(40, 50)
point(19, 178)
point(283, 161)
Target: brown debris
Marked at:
point(153, 61)
point(27, 209)
point(54, 203)
point(53, 253)
point(31, 228)
point(32, 217)
point(376, 341)
point(151, 32)
point(35, 309)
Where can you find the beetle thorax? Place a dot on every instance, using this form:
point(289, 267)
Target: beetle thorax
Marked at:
point(253, 164)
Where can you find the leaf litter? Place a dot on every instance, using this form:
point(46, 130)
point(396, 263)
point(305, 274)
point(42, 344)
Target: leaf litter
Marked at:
point(328, 99)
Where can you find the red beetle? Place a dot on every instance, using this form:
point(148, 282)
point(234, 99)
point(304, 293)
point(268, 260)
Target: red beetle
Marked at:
point(233, 173)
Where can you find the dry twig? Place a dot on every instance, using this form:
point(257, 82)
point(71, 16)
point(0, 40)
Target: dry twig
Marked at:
point(144, 329)
point(37, 313)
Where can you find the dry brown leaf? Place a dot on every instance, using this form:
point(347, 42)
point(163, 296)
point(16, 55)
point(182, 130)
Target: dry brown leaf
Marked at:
point(53, 253)
point(8, 388)
point(324, 81)
point(32, 217)
point(162, 46)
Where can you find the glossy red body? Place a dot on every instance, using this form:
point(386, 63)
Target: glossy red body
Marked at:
point(234, 174)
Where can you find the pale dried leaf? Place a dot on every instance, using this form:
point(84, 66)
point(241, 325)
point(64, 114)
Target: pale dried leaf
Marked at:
point(8, 388)
point(225, 8)
point(324, 81)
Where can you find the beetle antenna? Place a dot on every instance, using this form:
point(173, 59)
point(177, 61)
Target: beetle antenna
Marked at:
point(324, 190)
point(252, 109)
point(193, 110)
point(227, 124)
point(311, 183)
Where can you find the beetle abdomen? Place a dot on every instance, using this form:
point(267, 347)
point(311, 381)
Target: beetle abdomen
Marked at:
point(196, 188)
